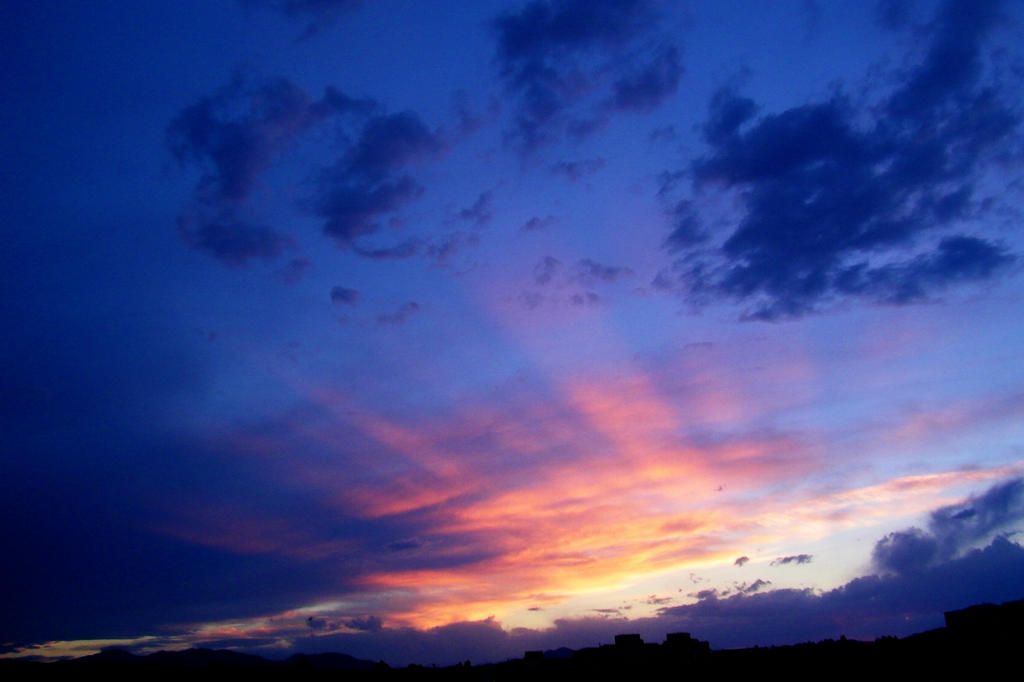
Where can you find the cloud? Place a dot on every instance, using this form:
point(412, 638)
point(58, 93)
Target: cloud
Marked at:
point(404, 545)
point(585, 298)
point(536, 223)
point(589, 271)
point(531, 300)
point(320, 13)
point(951, 530)
point(839, 201)
point(754, 586)
point(233, 136)
point(400, 251)
point(404, 312)
point(443, 248)
point(366, 624)
point(577, 170)
point(893, 14)
point(727, 111)
point(468, 120)
point(389, 142)
point(553, 54)
point(233, 242)
point(545, 270)
point(793, 559)
point(741, 560)
point(955, 259)
point(344, 296)
point(645, 89)
point(480, 212)
point(687, 231)
point(369, 181)
point(865, 607)
point(294, 270)
point(234, 133)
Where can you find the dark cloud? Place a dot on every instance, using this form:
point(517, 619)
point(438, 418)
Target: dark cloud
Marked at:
point(469, 121)
point(545, 270)
point(645, 89)
point(951, 530)
point(404, 312)
point(369, 181)
point(727, 111)
point(754, 586)
point(294, 270)
point(893, 14)
point(480, 212)
point(839, 201)
point(664, 134)
point(905, 551)
point(554, 54)
point(444, 248)
point(344, 296)
point(589, 272)
point(299, 7)
point(793, 559)
point(232, 241)
point(952, 65)
point(687, 231)
point(233, 136)
point(400, 251)
point(955, 259)
point(388, 143)
point(404, 545)
point(234, 133)
point(577, 170)
point(354, 210)
point(537, 223)
point(321, 14)
point(812, 15)
point(531, 299)
point(741, 560)
point(366, 624)
point(584, 298)
point(865, 607)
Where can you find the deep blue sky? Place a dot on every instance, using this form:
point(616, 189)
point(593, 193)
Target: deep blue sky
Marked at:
point(464, 328)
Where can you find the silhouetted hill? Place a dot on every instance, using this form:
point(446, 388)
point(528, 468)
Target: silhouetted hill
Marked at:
point(330, 662)
point(201, 658)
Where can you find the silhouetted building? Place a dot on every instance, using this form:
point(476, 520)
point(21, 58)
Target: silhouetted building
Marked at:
point(629, 641)
point(996, 624)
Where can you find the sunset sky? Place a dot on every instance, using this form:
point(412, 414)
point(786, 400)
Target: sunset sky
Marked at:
point(425, 331)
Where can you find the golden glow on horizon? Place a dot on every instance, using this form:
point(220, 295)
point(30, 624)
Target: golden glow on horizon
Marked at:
point(547, 502)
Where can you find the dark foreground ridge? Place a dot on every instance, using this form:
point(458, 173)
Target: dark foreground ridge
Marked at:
point(977, 641)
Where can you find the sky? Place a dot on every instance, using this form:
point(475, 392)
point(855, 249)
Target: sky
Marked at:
point(434, 331)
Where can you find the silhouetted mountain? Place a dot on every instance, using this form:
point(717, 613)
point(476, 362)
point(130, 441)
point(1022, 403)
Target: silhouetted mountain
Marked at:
point(330, 662)
point(201, 658)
